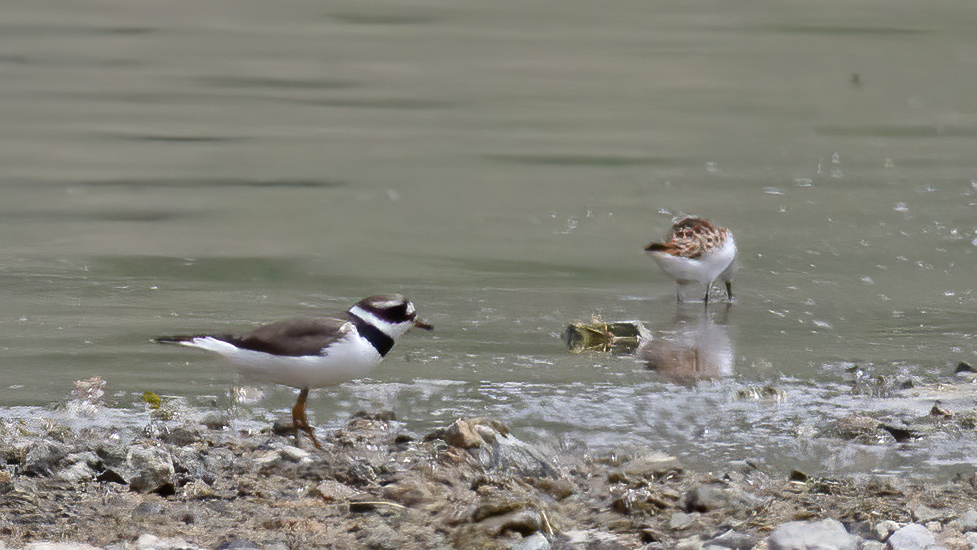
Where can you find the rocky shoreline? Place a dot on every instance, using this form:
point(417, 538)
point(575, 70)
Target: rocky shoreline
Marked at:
point(185, 481)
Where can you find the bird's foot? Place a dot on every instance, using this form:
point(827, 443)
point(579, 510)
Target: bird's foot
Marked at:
point(301, 422)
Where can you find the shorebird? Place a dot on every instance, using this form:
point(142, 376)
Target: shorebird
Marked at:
point(314, 352)
point(696, 253)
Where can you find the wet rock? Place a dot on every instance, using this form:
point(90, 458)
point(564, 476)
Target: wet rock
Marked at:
point(491, 445)
point(469, 433)
point(380, 536)
point(295, 454)
point(911, 537)
point(524, 522)
point(733, 540)
point(366, 428)
point(239, 545)
point(559, 489)
point(152, 542)
point(215, 421)
point(533, 542)
point(6, 482)
point(681, 520)
point(652, 466)
point(901, 434)
point(77, 473)
point(924, 514)
point(798, 476)
point(44, 458)
point(827, 534)
point(967, 521)
point(648, 500)
point(883, 529)
point(939, 412)
point(706, 498)
point(198, 490)
point(331, 490)
point(189, 466)
point(80, 467)
point(112, 453)
point(57, 546)
point(760, 393)
point(178, 435)
point(860, 429)
point(415, 493)
point(588, 539)
point(150, 470)
point(689, 543)
point(471, 537)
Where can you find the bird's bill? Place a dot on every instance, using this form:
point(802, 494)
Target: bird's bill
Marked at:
point(421, 324)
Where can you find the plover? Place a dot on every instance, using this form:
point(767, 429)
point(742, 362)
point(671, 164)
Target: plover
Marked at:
point(696, 253)
point(314, 352)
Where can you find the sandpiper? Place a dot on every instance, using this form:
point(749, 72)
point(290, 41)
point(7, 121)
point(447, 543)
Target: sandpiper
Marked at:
point(696, 253)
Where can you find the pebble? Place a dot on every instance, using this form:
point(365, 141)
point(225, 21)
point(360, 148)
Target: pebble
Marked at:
point(689, 543)
point(77, 472)
point(924, 514)
point(734, 541)
point(911, 537)
point(296, 454)
point(706, 498)
point(57, 546)
point(650, 465)
point(491, 444)
point(150, 470)
point(967, 522)
point(827, 534)
point(535, 541)
point(152, 542)
point(885, 528)
point(469, 433)
point(681, 520)
point(44, 458)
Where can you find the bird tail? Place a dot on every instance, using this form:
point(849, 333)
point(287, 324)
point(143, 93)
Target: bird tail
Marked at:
point(184, 338)
point(662, 247)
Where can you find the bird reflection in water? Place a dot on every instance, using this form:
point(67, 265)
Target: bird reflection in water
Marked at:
point(697, 346)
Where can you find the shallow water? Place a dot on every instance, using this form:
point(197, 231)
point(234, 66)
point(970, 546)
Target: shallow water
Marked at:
point(208, 166)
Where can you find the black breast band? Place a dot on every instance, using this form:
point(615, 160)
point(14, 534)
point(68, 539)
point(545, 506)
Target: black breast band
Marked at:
point(379, 339)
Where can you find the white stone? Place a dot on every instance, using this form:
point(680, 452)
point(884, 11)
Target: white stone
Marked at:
point(56, 546)
point(911, 537)
point(827, 534)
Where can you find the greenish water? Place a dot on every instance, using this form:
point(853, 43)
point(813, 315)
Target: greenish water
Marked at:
point(213, 165)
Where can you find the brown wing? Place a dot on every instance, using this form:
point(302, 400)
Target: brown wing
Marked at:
point(293, 337)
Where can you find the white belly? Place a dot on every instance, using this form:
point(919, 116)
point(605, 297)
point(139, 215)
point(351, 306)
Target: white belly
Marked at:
point(702, 271)
point(346, 360)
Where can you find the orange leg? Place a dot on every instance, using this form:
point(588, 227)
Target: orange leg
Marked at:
point(299, 420)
